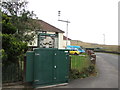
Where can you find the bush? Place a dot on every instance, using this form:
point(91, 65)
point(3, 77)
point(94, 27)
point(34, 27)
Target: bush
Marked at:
point(13, 48)
point(7, 27)
point(3, 55)
point(75, 73)
point(91, 69)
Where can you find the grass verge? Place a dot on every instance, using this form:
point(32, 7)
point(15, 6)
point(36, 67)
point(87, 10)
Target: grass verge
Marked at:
point(81, 67)
point(79, 62)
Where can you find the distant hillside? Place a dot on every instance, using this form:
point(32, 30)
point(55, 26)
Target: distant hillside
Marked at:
point(94, 45)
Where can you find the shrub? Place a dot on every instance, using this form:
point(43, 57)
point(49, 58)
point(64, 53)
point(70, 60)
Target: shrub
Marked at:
point(7, 27)
point(12, 47)
point(91, 69)
point(75, 73)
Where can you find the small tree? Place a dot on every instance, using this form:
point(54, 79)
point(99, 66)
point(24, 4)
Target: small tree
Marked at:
point(24, 20)
point(12, 47)
point(7, 27)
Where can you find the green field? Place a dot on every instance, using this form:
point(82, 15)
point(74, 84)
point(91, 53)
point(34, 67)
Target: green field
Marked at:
point(80, 62)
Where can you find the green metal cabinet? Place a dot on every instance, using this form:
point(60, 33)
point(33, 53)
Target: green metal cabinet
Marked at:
point(61, 66)
point(50, 66)
point(29, 66)
point(43, 66)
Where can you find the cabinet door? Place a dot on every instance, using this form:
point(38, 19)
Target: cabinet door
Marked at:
point(43, 66)
point(29, 66)
point(61, 67)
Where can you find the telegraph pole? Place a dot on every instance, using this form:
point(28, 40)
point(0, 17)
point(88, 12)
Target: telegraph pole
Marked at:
point(66, 27)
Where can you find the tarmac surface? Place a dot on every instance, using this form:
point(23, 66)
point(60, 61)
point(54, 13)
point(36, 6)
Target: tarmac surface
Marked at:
point(107, 66)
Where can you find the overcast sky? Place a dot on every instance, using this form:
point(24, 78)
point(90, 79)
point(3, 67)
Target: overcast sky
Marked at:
point(90, 19)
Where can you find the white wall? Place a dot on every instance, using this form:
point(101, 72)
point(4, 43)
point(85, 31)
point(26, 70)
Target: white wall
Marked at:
point(64, 43)
point(51, 32)
point(60, 41)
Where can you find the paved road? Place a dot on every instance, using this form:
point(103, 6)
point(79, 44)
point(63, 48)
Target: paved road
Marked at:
point(107, 65)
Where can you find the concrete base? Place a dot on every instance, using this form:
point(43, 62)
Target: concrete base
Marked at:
point(50, 86)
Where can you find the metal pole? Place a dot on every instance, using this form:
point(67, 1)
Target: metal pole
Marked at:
point(104, 38)
point(67, 35)
point(66, 27)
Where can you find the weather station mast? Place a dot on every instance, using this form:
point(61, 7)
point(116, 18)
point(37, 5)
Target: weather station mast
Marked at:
point(104, 39)
point(66, 21)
